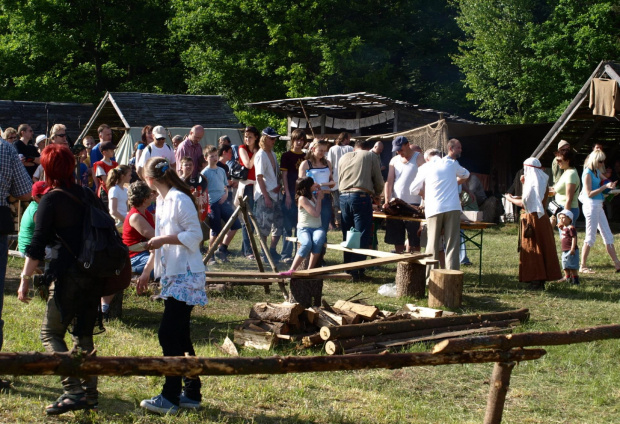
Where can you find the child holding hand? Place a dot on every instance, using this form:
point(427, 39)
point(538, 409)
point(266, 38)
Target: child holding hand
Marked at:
point(310, 232)
point(570, 252)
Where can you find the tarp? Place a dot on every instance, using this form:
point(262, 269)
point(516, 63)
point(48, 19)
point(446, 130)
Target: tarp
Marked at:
point(125, 147)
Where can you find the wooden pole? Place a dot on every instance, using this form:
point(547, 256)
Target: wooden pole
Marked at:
point(500, 380)
point(391, 327)
point(38, 363)
point(505, 342)
point(221, 235)
point(248, 226)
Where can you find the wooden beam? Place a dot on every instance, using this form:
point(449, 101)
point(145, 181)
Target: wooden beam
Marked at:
point(262, 275)
point(38, 363)
point(316, 272)
point(612, 73)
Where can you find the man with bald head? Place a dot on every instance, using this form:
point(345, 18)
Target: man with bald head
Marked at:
point(191, 147)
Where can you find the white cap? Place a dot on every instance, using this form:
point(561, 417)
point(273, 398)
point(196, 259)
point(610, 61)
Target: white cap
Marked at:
point(40, 138)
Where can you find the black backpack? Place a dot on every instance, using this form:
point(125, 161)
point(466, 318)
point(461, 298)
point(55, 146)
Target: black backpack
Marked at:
point(103, 253)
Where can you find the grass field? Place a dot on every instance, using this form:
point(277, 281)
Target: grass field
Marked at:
point(571, 384)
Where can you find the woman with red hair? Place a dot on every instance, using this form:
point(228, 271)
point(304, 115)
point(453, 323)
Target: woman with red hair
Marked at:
point(73, 297)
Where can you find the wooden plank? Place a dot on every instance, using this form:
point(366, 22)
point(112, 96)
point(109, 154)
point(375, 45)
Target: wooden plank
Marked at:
point(262, 275)
point(357, 265)
point(368, 312)
point(367, 252)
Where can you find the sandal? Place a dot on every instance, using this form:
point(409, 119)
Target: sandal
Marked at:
point(288, 273)
point(67, 402)
point(586, 270)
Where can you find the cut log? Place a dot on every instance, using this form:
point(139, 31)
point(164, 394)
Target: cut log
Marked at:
point(229, 347)
point(37, 363)
point(445, 288)
point(410, 280)
point(348, 317)
point(530, 339)
point(274, 327)
point(324, 320)
point(258, 340)
point(367, 312)
point(334, 316)
point(347, 344)
point(278, 312)
point(309, 341)
point(401, 326)
point(422, 312)
point(311, 315)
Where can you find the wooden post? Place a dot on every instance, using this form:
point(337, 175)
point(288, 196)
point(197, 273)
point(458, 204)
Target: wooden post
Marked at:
point(410, 280)
point(500, 380)
point(445, 288)
point(221, 235)
point(248, 226)
point(306, 292)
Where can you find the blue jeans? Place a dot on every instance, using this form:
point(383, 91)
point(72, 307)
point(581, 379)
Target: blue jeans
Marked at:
point(356, 212)
point(138, 263)
point(326, 212)
point(4, 257)
point(246, 247)
point(221, 212)
point(289, 216)
point(311, 240)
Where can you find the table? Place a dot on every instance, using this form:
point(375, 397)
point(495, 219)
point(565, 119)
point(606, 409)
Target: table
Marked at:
point(475, 238)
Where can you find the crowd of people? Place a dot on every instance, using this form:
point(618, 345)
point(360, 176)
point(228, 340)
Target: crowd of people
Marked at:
point(171, 201)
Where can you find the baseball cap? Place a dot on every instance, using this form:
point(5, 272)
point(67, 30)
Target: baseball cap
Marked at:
point(40, 138)
point(270, 132)
point(159, 132)
point(567, 214)
point(39, 188)
point(399, 142)
point(563, 143)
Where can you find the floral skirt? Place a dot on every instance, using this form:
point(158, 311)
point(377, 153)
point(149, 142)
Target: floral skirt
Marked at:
point(188, 287)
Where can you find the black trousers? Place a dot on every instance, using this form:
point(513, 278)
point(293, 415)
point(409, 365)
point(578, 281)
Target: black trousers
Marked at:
point(175, 340)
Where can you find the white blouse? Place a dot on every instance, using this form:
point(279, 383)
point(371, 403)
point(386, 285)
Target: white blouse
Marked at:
point(176, 214)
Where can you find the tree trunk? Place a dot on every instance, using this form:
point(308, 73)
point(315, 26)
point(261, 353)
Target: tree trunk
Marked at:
point(306, 292)
point(445, 288)
point(278, 312)
point(401, 326)
point(410, 280)
point(36, 363)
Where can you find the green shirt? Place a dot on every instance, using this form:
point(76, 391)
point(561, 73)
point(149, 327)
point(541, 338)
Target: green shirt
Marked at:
point(569, 176)
point(26, 227)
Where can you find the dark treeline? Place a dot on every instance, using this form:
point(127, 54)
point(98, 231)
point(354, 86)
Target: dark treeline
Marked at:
point(502, 61)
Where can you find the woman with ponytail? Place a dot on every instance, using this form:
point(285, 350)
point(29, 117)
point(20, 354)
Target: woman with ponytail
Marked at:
point(175, 256)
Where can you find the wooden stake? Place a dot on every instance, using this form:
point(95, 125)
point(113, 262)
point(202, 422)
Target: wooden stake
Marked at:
point(38, 363)
point(500, 380)
point(221, 235)
point(248, 226)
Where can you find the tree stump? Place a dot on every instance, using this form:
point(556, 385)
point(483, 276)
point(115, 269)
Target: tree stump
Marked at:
point(410, 280)
point(445, 288)
point(306, 292)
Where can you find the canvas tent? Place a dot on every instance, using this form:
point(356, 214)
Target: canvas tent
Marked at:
point(581, 124)
point(127, 113)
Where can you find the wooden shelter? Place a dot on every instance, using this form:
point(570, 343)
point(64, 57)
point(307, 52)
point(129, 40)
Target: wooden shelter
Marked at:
point(580, 126)
point(127, 113)
point(41, 116)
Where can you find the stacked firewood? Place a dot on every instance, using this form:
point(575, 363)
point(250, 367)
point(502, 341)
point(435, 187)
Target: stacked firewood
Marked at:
point(352, 327)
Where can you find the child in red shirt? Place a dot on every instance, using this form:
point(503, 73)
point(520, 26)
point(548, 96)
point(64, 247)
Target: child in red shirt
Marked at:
point(570, 252)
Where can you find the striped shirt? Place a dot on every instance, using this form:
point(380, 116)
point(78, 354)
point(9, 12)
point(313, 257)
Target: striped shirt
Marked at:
point(14, 180)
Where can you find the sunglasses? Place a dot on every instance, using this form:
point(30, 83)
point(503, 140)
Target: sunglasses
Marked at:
point(60, 135)
point(11, 138)
point(161, 138)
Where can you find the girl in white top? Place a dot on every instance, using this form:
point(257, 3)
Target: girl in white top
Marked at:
point(175, 255)
point(310, 233)
point(117, 193)
point(319, 169)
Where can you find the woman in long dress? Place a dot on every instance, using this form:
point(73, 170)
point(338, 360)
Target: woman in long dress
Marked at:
point(538, 259)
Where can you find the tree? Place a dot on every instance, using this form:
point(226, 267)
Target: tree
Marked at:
point(75, 50)
point(524, 60)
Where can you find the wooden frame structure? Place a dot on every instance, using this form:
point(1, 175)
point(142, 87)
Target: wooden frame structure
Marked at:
point(579, 126)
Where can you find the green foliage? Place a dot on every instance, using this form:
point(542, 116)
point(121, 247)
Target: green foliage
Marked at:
point(524, 60)
point(76, 50)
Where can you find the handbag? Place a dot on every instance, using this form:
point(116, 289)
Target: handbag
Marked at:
point(7, 225)
point(239, 172)
point(554, 207)
point(353, 239)
point(117, 283)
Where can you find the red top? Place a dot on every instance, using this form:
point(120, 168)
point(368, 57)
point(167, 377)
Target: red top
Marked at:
point(131, 236)
point(252, 173)
point(568, 234)
point(107, 169)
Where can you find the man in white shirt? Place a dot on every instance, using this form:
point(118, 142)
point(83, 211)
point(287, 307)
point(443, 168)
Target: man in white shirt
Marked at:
point(402, 171)
point(440, 178)
point(157, 149)
point(267, 203)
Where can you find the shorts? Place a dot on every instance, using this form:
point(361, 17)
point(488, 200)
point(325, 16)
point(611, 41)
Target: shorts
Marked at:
point(269, 220)
point(395, 232)
point(570, 261)
point(221, 212)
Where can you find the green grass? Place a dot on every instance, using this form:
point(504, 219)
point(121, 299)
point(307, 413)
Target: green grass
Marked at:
point(571, 384)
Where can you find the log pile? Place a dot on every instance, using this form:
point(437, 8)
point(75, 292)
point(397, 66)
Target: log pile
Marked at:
point(348, 327)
